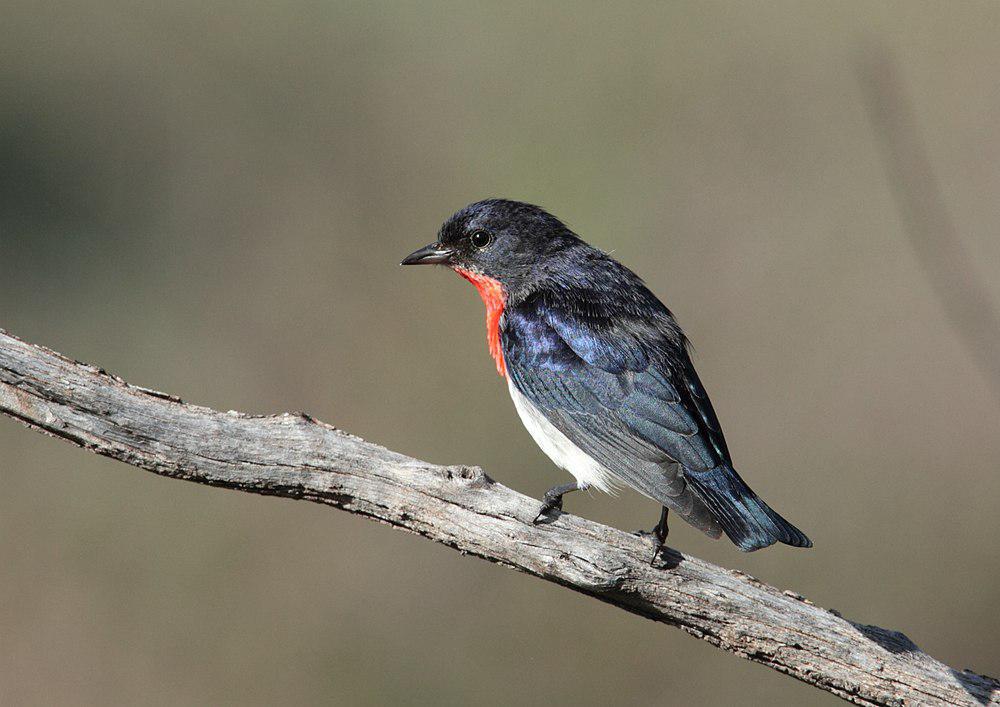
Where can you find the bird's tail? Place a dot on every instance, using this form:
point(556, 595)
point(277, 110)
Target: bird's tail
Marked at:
point(749, 522)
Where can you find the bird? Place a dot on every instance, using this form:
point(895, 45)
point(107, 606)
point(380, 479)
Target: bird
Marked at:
point(600, 373)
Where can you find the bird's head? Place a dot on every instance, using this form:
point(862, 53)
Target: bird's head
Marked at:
point(508, 242)
point(504, 248)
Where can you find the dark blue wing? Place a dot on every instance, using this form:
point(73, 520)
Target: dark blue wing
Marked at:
point(623, 390)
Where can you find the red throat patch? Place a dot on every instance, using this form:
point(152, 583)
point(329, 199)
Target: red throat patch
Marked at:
point(493, 297)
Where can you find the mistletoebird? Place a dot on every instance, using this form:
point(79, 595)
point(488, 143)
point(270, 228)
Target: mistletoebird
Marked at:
point(599, 372)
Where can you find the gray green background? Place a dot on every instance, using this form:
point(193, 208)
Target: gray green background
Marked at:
point(212, 199)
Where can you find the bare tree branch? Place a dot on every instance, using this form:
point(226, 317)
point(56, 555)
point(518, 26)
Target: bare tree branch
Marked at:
point(459, 506)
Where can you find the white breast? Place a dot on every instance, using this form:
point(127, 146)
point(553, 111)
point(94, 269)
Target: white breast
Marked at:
point(558, 447)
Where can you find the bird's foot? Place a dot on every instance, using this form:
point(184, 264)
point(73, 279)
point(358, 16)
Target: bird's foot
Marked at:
point(659, 533)
point(552, 500)
point(549, 504)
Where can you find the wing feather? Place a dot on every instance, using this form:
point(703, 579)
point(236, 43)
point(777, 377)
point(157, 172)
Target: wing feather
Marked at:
point(614, 402)
point(628, 395)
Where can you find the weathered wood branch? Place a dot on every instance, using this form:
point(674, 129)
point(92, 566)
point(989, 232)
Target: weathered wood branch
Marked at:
point(298, 457)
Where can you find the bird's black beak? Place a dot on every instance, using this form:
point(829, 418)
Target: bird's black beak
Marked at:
point(433, 254)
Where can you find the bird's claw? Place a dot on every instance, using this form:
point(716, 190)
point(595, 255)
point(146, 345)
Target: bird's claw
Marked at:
point(656, 552)
point(659, 533)
point(658, 542)
point(548, 505)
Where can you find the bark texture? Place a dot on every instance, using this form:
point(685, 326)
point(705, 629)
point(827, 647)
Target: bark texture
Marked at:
point(295, 456)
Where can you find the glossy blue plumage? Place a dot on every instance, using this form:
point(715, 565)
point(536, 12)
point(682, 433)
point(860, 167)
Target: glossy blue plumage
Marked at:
point(599, 371)
point(607, 365)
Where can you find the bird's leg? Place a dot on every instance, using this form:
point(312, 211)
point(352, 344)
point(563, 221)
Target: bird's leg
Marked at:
point(552, 500)
point(660, 533)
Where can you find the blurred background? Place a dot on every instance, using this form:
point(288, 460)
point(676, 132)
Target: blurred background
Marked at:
point(212, 200)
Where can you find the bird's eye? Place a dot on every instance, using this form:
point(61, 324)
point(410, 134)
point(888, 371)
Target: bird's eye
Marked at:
point(481, 239)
